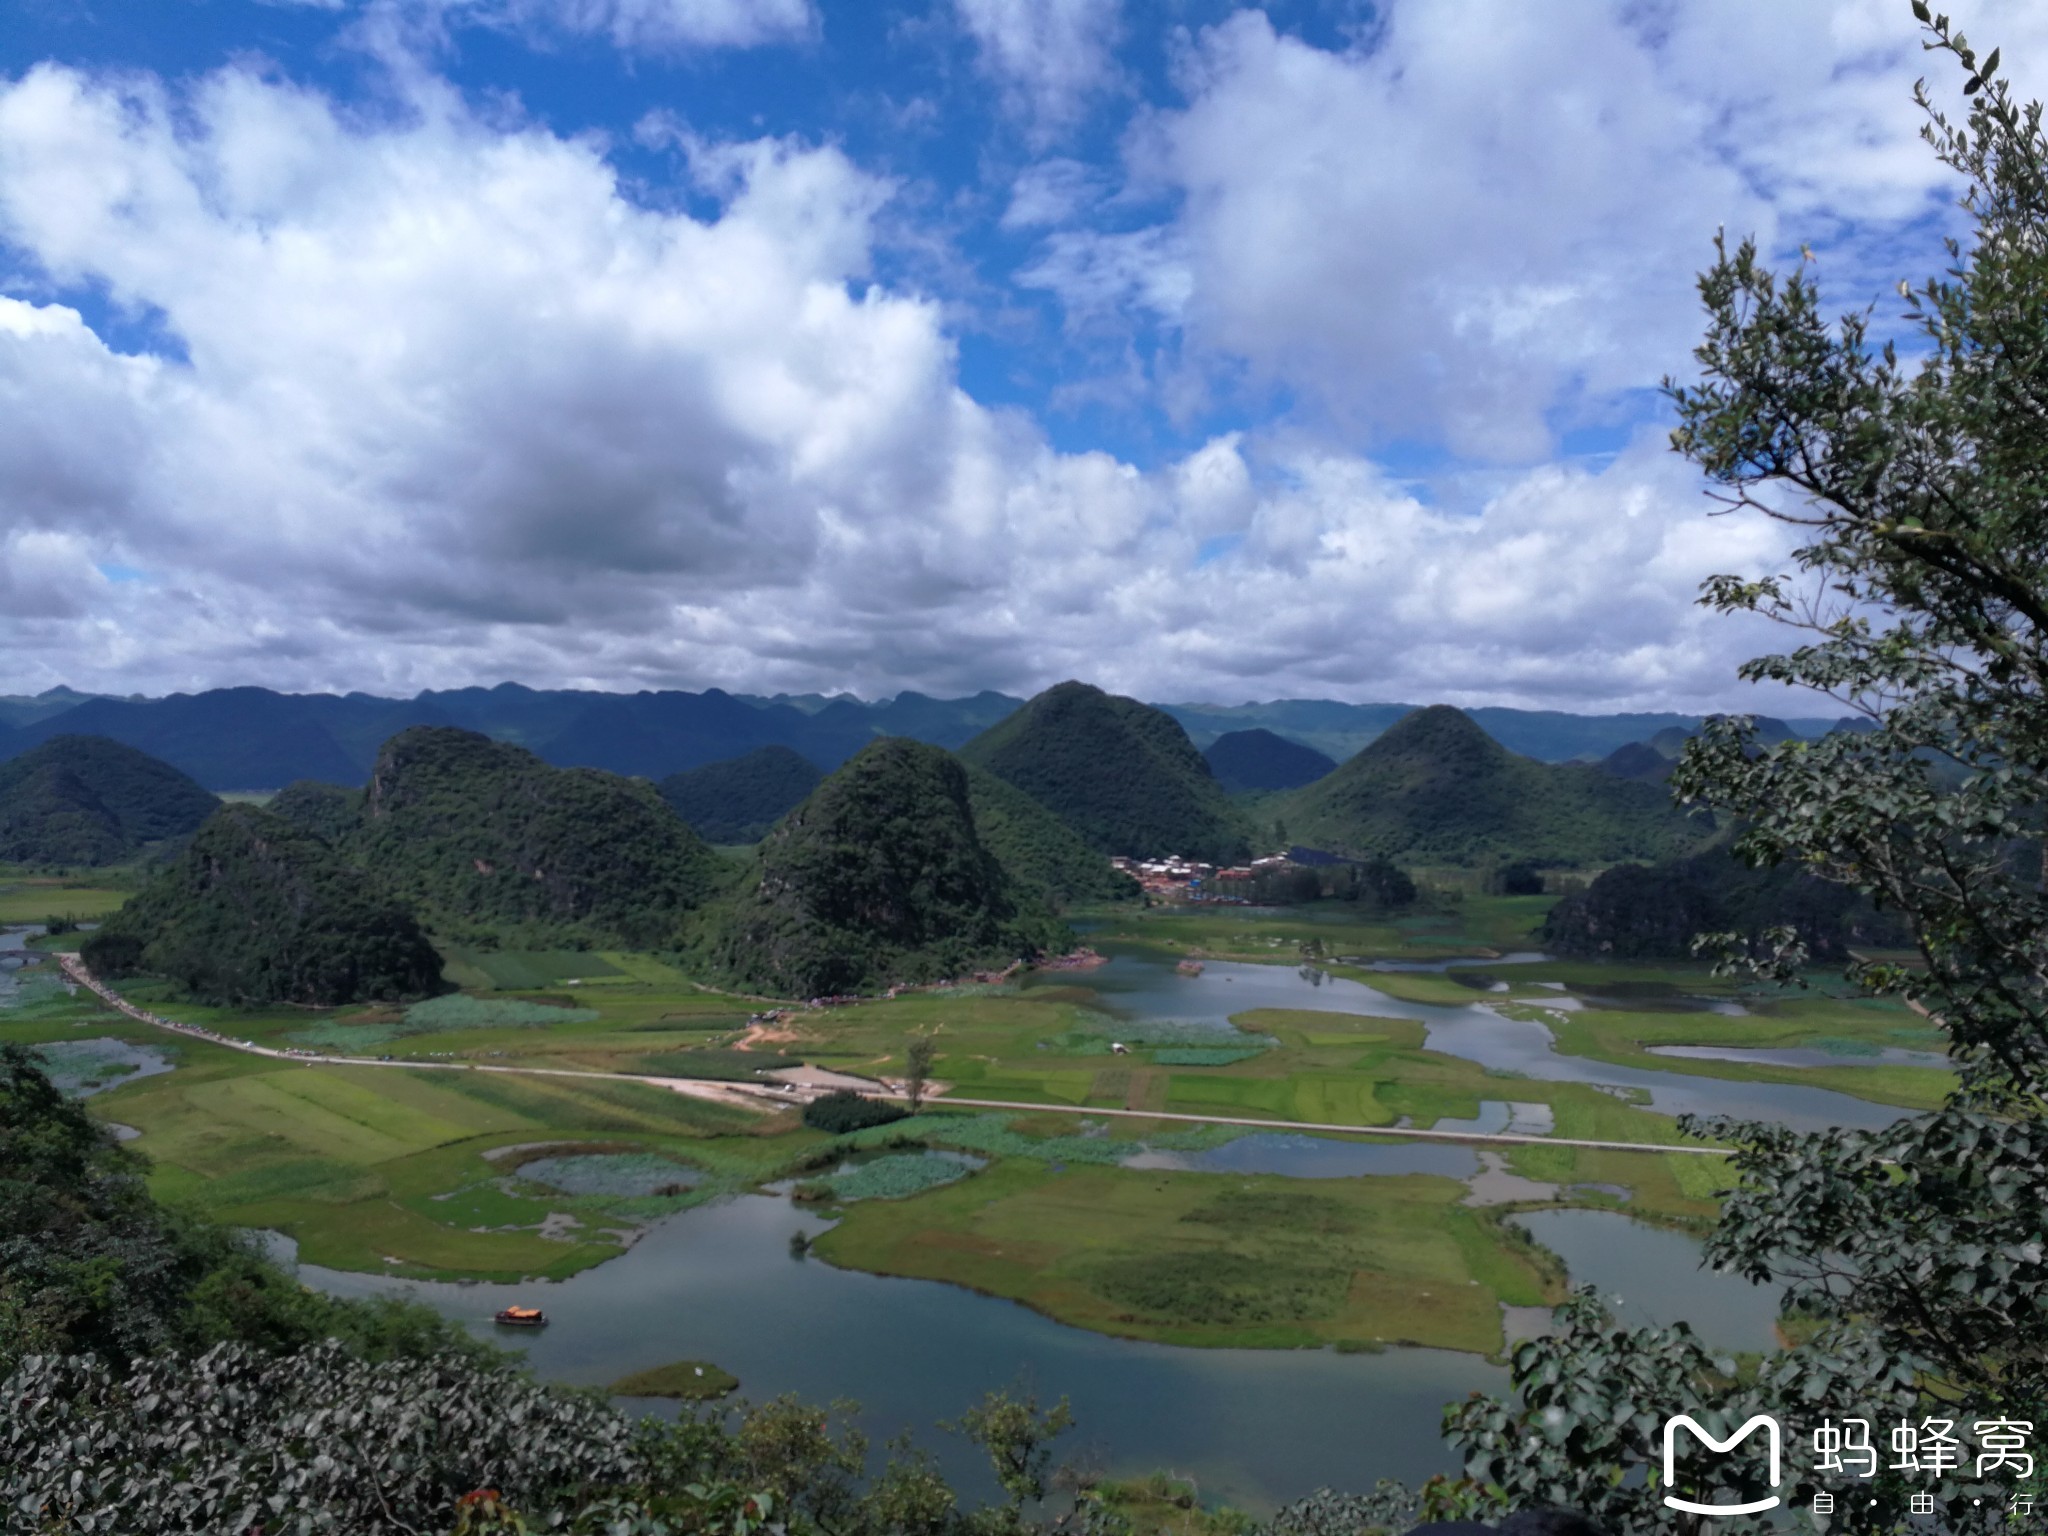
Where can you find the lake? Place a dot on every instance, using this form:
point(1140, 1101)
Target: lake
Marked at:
point(1251, 1427)
point(1137, 984)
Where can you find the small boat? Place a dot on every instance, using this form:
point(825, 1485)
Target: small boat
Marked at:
point(523, 1317)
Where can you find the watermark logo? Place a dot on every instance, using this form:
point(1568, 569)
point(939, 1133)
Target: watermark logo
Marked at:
point(1772, 1438)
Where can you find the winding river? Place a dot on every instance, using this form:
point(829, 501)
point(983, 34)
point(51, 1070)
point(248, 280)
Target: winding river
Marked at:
point(1252, 1427)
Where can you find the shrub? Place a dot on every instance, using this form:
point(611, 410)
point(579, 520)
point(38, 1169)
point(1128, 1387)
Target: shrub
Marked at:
point(845, 1111)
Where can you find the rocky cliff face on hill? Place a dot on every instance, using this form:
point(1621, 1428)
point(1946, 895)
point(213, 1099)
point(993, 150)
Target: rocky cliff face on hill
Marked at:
point(878, 877)
point(482, 834)
point(1436, 789)
point(1123, 775)
point(256, 911)
point(88, 800)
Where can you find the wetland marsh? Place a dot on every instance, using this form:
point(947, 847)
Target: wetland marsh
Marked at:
point(1333, 1291)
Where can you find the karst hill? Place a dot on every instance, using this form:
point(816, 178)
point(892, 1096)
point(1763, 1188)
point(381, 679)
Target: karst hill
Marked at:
point(89, 800)
point(1257, 760)
point(256, 911)
point(1436, 789)
point(481, 833)
point(1122, 775)
point(737, 799)
point(880, 876)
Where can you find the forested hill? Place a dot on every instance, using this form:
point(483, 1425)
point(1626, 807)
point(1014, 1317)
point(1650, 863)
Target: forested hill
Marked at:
point(328, 811)
point(878, 877)
point(739, 799)
point(1123, 775)
point(1437, 789)
point(256, 911)
point(1635, 911)
point(1041, 852)
point(480, 833)
point(1259, 760)
point(88, 800)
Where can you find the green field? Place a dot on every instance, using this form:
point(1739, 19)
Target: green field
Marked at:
point(30, 898)
point(391, 1169)
point(1212, 1259)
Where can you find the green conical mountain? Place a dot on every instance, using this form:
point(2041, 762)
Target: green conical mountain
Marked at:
point(1257, 760)
point(739, 799)
point(1436, 789)
point(1040, 851)
point(1123, 775)
point(88, 800)
point(256, 911)
point(878, 877)
point(478, 832)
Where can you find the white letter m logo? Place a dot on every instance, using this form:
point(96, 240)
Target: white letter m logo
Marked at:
point(1671, 1428)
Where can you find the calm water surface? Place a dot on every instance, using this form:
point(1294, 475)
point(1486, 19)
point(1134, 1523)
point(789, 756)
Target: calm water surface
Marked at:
point(1136, 984)
point(1652, 1277)
point(718, 1283)
point(1254, 1427)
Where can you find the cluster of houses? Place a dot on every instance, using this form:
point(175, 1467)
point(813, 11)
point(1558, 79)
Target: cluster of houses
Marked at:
point(1174, 878)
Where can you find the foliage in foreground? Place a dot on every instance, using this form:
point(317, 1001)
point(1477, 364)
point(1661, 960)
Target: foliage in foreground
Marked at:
point(1918, 1254)
point(156, 1374)
point(90, 1263)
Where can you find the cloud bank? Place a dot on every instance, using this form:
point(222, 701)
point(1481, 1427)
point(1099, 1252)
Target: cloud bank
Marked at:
point(437, 398)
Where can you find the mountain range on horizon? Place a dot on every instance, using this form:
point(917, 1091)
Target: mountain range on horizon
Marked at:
point(249, 738)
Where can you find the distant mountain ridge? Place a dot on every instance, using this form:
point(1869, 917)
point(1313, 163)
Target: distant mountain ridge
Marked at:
point(248, 738)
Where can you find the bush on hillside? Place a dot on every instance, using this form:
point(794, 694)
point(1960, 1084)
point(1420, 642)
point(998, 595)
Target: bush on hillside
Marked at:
point(846, 1111)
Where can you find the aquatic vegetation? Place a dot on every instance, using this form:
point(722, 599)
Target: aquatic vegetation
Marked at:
point(80, 1067)
point(896, 1177)
point(458, 1010)
point(1208, 1055)
point(611, 1173)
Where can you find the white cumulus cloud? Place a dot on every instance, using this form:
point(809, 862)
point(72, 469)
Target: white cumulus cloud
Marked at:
point(1050, 57)
point(446, 404)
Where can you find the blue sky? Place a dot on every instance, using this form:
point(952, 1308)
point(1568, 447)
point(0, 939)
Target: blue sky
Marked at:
point(1202, 350)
